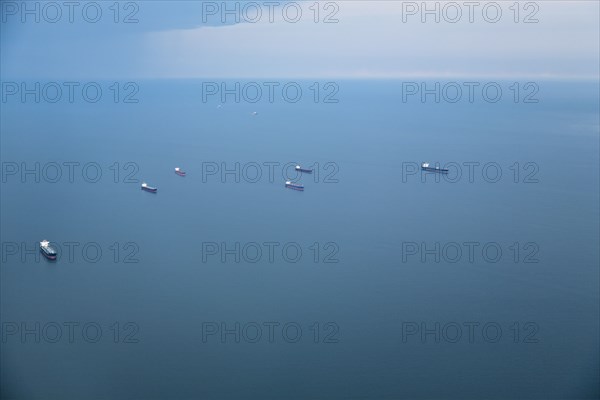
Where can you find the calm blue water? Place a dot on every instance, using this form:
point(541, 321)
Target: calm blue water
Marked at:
point(374, 291)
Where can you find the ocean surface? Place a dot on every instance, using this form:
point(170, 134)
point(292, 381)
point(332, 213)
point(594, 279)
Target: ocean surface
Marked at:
point(362, 286)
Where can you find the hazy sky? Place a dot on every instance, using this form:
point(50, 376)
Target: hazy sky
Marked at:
point(374, 39)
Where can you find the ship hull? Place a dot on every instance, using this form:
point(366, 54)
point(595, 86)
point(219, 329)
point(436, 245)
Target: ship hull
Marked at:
point(48, 256)
point(440, 170)
point(151, 190)
point(306, 171)
point(298, 188)
point(180, 173)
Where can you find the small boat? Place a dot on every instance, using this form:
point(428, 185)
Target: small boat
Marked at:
point(149, 188)
point(179, 172)
point(254, 113)
point(305, 170)
point(426, 167)
point(47, 250)
point(294, 186)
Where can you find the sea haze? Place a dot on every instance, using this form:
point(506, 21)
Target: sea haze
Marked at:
point(364, 206)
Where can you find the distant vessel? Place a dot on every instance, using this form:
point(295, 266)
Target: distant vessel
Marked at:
point(306, 170)
point(426, 167)
point(254, 113)
point(179, 172)
point(294, 186)
point(47, 250)
point(149, 188)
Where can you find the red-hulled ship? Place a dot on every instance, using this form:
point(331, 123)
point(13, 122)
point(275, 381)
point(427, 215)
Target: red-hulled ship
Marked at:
point(149, 188)
point(179, 172)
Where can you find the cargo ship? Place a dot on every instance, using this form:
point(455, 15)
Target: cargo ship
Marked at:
point(305, 170)
point(426, 167)
point(47, 250)
point(294, 186)
point(179, 172)
point(149, 188)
